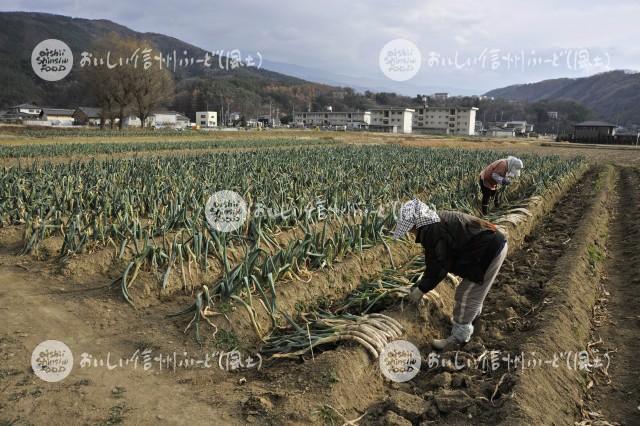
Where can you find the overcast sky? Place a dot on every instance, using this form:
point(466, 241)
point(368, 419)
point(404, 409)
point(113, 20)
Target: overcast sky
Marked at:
point(344, 37)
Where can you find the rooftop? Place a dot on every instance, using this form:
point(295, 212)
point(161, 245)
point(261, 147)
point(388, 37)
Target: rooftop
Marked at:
point(595, 124)
point(58, 111)
point(91, 112)
point(26, 106)
point(392, 109)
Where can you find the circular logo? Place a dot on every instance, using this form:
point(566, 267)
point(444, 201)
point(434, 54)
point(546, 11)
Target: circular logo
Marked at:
point(52, 60)
point(400, 361)
point(400, 60)
point(52, 360)
point(226, 211)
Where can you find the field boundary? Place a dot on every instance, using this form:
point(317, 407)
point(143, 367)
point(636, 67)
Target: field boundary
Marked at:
point(590, 146)
point(544, 395)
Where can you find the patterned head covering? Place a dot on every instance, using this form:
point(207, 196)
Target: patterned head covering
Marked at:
point(414, 213)
point(514, 165)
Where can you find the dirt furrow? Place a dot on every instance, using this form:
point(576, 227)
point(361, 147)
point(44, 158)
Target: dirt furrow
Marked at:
point(478, 391)
point(616, 395)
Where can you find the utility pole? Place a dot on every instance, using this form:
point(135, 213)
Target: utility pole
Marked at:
point(222, 110)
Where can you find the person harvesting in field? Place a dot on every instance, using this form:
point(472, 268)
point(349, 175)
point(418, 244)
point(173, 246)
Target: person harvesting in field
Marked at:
point(500, 172)
point(461, 244)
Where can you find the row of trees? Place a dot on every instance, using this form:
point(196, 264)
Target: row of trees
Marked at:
point(125, 89)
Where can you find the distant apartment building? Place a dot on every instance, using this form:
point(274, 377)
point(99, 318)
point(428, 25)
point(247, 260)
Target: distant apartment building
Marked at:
point(448, 121)
point(206, 119)
point(442, 96)
point(392, 119)
point(353, 119)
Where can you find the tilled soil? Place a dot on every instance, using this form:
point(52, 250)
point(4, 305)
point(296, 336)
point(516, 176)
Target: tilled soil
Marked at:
point(616, 396)
point(38, 305)
point(465, 386)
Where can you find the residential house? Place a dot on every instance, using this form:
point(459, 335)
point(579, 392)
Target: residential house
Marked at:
point(592, 130)
point(159, 120)
point(29, 109)
point(206, 119)
point(182, 121)
point(501, 132)
point(269, 121)
point(88, 116)
point(20, 113)
point(58, 116)
point(520, 127)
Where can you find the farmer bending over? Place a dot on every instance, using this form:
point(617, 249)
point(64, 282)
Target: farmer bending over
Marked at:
point(497, 173)
point(461, 244)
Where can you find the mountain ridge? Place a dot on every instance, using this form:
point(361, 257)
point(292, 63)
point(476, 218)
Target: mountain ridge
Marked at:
point(613, 95)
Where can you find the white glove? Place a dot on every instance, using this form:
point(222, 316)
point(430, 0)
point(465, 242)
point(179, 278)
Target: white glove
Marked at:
point(415, 296)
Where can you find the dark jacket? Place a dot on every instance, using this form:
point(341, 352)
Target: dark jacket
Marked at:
point(460, 244)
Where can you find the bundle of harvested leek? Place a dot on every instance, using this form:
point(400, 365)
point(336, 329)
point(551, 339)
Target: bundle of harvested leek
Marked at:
point(372, 331)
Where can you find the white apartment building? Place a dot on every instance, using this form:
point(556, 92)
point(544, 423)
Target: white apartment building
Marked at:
point(445, 120)
point(207, 118)
point(332, 118)
point(392, 119)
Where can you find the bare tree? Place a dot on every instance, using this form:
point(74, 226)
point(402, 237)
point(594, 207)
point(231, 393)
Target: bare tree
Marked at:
point(126, 86)
point(150, 88)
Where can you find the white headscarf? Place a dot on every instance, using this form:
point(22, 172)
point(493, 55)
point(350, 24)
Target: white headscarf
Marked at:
point(514, 166)
point(414, 213)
